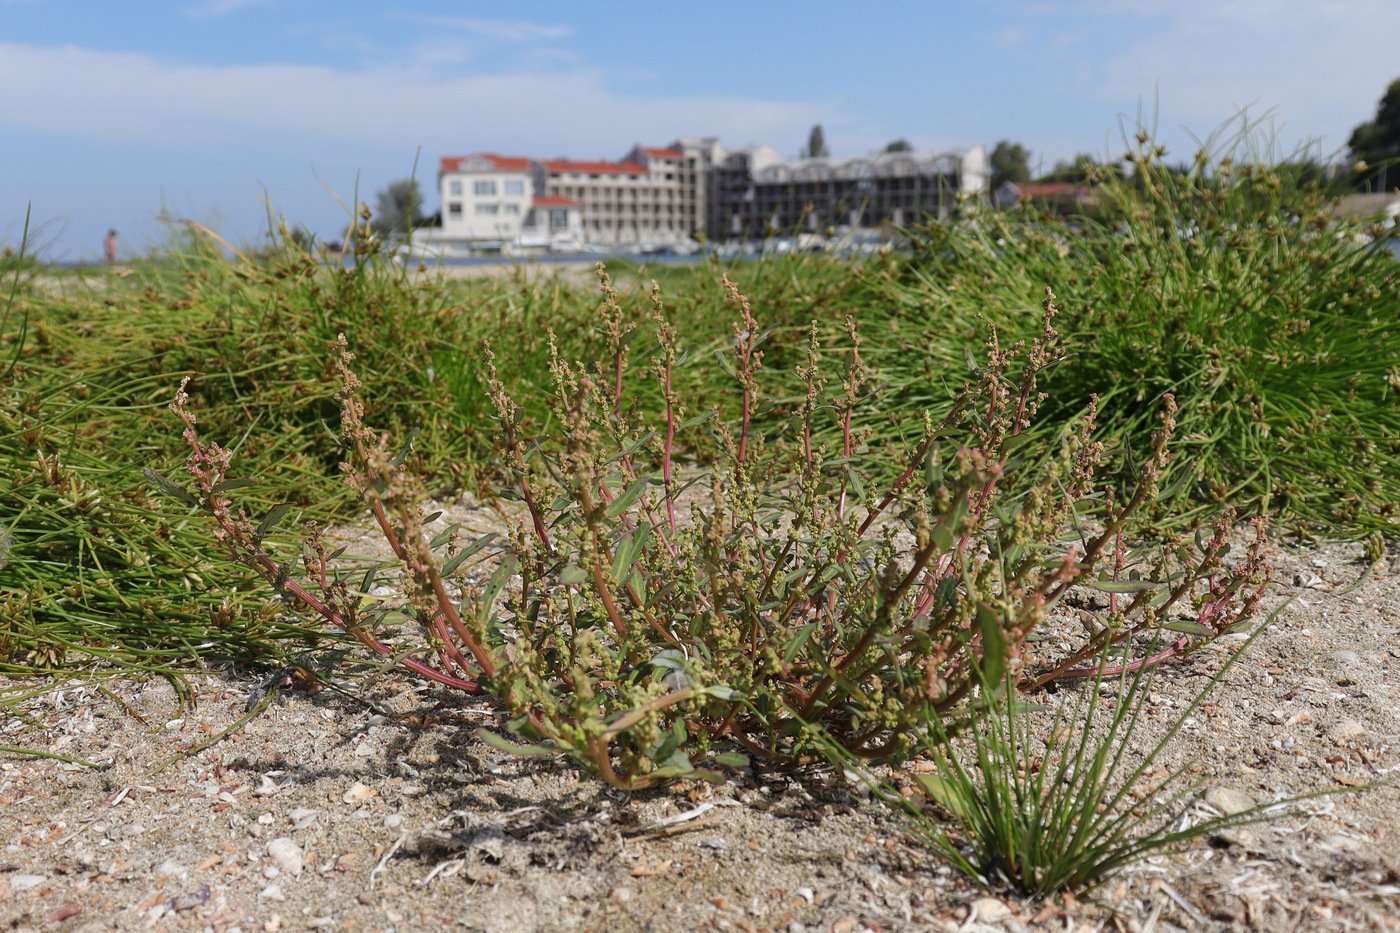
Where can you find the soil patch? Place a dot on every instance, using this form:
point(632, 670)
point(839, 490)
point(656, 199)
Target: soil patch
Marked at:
point(373, 807)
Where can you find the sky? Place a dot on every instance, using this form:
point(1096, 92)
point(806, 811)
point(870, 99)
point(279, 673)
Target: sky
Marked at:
point(228, 112)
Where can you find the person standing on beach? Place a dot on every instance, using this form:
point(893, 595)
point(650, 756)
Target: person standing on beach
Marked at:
point(110, 244)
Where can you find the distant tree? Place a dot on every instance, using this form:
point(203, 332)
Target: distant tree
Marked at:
point(1082, 169)
point(1376, 144)
point(398, 207)
point(303, 238)
point(1010, 162)
point(816, 144)
point(900, 145)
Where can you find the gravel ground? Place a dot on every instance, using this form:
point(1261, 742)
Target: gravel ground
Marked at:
point(373, 807)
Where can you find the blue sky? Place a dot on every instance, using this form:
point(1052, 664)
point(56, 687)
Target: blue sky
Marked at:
point(113, 112)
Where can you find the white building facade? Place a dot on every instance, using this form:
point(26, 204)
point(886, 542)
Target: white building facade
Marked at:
point(693, 189)
point(485, 197)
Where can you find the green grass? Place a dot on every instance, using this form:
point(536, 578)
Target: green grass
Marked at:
point(1277, 332)
point(1043, 807)
point(1229, 286)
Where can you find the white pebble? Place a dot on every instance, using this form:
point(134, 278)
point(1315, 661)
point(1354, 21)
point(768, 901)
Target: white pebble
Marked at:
point(1228, 800)
point(990, 910)
point(357, 793)
point(287, 854)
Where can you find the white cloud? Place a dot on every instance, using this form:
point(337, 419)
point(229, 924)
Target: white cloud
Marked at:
point(1012, 36)
point(101, 96)
point(221, 7)
point(507, 30)
point(1318, 65)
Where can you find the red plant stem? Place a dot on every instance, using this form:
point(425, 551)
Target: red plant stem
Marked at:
point(479, 652)
point(1174, 649)
point(269, 571)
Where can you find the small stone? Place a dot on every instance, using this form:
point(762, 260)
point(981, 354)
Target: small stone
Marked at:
point(805, 893)
point(1228, 800)
point(190, 899)
point(990, 910)
point(25, 882)
point(1346, 731)
point(357, 793)
point(170, 867)
point(714, 842)
point(620, 893)
point(365, 750)
point(1345, 658)
point(1236, 837)
point(272, 893)
point(287, 854)
point(393, 820)
point(302, 817)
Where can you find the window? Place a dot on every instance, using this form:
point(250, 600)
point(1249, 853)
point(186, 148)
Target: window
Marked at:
point(483, 187)
point(454, 187)
point(488, 208)
point(558, 219)
point(513, 209)
point(454, 210)
point(515, 187)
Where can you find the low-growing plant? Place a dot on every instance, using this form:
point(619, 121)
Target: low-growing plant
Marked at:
point(646, 615)
point(1043, 807)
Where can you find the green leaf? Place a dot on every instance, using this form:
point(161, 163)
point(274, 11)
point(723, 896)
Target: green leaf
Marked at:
point(798, 640)
point(1121, 586)
point(504, 572)
point(698, 419)
point(273, 516)
point(512, 748)
point(432, 518)
point(1186, 627)
point(456, 559)
point(726, 364)
point(731, 760)
point(721, 692)
point(943, 792)
point(857, 486)
point(406, 449)
point(623, 502)
point(572, 574)
point(670, 658)
point(442, 537)
point(169, 488)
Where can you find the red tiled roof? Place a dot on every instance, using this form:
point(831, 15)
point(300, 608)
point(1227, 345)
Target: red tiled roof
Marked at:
point(501, 163)
point(555, 200)
point(594, 168)
point(664, 153)
point(1053, 189)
